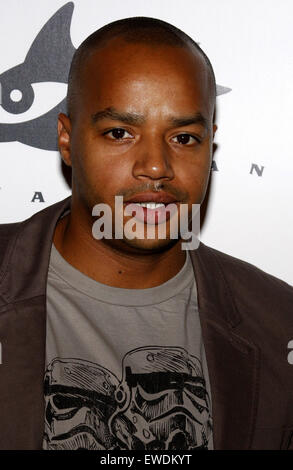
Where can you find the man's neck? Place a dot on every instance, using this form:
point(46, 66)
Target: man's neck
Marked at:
point(103, 263)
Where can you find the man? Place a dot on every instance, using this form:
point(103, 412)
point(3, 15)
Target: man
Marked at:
point(141, 344)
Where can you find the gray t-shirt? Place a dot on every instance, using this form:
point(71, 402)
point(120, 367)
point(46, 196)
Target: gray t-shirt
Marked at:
point(125, 368)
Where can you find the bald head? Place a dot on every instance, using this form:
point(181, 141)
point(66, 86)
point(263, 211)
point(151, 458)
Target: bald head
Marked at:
point(136, 30)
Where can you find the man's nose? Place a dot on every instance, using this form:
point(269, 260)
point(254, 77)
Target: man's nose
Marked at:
point(153, 160)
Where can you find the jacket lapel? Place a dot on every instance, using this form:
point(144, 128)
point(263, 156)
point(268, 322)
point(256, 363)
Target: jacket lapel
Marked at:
point(233, 363)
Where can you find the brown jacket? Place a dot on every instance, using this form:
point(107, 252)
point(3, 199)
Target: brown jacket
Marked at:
point(247, 322)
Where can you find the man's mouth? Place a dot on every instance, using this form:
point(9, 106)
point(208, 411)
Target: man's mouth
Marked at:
point(150, 205)
point(152, 208)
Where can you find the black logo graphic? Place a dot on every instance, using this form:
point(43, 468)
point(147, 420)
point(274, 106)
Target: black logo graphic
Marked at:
point(48, 60)
point(160, 403)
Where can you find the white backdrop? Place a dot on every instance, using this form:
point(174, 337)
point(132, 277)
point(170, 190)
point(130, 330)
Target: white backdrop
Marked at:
point(250, 46)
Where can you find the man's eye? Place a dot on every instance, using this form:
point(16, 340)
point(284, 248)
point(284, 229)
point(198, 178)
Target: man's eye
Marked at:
point(118, 134)
point(184, 139)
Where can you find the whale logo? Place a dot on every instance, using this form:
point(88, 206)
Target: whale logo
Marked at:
point(24, 115)
point(48, 60)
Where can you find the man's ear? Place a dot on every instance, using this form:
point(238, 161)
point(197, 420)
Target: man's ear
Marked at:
point(64, 131)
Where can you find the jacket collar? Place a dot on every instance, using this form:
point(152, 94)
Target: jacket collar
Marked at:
point(232, 361)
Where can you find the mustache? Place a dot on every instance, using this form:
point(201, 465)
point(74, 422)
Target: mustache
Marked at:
point(155, 186)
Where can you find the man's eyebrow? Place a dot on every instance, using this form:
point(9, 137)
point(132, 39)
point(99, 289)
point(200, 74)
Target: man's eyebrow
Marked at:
point(197, 118)
point(112, 113)
point(137, 119)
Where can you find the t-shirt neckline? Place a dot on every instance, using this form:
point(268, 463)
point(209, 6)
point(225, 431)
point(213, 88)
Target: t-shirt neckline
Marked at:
point(116, 295)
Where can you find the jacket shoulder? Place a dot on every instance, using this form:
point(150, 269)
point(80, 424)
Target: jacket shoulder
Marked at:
point(38, 227)
point(250, 281)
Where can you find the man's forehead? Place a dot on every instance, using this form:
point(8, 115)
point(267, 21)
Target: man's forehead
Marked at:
point(139, 39)
point(117, 64)
point(117, 48)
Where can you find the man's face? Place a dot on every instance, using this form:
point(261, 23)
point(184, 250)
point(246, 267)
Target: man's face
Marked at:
point(142, 129)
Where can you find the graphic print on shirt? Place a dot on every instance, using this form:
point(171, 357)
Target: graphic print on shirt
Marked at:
point(160, 403)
